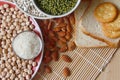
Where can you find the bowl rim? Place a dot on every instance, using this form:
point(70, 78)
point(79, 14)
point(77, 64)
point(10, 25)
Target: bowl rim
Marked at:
point(58, 16)
point(40, 41)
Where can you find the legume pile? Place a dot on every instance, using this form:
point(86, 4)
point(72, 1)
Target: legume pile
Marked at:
point(12, 22)
point(56, 7)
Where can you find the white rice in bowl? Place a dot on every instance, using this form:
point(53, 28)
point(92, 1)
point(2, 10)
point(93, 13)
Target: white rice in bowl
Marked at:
point(27, 45)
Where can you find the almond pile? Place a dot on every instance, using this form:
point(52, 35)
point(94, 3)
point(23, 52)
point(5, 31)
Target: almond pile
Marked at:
point(57, 34)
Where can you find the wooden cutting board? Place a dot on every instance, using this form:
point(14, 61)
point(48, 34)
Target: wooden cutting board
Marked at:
point(112, 71)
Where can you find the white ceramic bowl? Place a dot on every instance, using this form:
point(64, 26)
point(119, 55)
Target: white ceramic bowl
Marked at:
point(57, 16)
point(35, 35)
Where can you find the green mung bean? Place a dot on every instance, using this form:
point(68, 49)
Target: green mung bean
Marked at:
point(56, 7)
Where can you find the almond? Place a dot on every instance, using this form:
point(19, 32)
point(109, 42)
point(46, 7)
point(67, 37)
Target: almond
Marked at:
point(61, 33)
point(59, 20)
point(66, 58)
point(63, 39)
point(57, 29)
point(66, 20)
point(50, 25)
point(61, 43)
point(55, 56)
point(63, 48)
point(71, 46)
point(66, 72)
point(46, 22)
point(51, 34)
point(47, 53)
point(72, 19)
point(47, 60)
point(68, 36)
point(61, 25)
point(63, 29)
point(47, 69)
point(69, 28)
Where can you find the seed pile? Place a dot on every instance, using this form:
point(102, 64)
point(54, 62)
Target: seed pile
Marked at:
point(12, 22)
point(56, 7)
point(57, 35)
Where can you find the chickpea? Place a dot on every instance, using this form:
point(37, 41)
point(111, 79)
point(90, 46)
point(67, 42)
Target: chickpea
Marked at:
point(8, 75)
point(14, 68)
point(12, 39)
point(16, 9)
point(16, 78)
point(11, 71)
point(23, 24)
point(13, 63)
point(18, 61)
point(4, 51)
point(29, 66)
point(2, 66)
point(7, 10)
point(32, 26)
point(10, 13)
point(30, 61)
point(9, 56)
point(4, 37)
point(6, 46)
point(18, 16)
point(21, 78)
point(24, 74)
point(19, 31)
point(8, 65)
point(19, 66)
point(20, 13)
point(25, 70)
point(9, 60)
point(34, 64)
point(20, 75)
point(16, 20)
point(12, 76)
point(12, 27)
point(6, 6)
point(28, 77)
point(17, 27)
point(12, 9)
point(3, 11)
point(30, 71)
point(5, 69)
point(3, 74)
point(3, 33)
point(14, 16)
point(17, 71)
point(3, 78)
point(5, 14)
point(20, 20)
point(15, 12)
point(8, 41)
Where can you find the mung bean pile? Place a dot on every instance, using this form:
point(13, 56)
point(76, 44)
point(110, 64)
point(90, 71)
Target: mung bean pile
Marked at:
point(56, 7)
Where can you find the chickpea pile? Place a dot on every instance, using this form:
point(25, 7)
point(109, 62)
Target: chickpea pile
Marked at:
point(12, 22)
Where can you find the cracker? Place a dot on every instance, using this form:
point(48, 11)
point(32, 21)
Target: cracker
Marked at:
point(115, 25)
point(105, 12)
point(110, 33)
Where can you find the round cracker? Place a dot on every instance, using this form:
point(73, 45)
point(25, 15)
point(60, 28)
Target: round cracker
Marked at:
point(110, 33)
point(114, 26)
point(105, 12)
